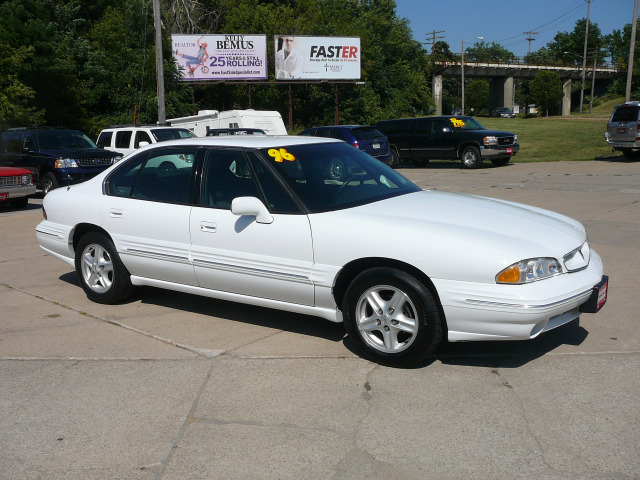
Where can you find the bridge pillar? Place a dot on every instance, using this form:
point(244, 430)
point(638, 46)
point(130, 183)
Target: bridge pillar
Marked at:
point(500, 92)
point(566, 98)
point(507, 100)
point(437, 93)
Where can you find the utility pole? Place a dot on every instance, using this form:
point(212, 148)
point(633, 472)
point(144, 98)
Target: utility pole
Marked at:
point(432, 42)
point(162, 115)
point(584, 56)
point(462, 65)
point(632, 46)
point(530, 38)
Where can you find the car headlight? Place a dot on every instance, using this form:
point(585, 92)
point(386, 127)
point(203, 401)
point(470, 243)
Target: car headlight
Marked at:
point(490, 140)
point(117, 159)
point(66, 163)
point(26, 179)
point(531, 270)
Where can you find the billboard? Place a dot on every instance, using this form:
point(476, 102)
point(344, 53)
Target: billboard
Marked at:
point(220, 57)
point(317, 58)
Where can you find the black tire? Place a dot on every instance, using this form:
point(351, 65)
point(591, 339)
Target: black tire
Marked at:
point(470, 157)
point(377, 334)
point(100, 271)
point(395, 159)
point(500, 162)
point(49, 183)
point(19, 202)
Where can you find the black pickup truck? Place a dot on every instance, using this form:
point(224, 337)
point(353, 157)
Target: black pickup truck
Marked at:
point(55, 156)
point(453, 137)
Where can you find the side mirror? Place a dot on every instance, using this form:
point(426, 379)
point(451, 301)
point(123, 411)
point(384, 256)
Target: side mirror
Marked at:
point(251, 206)
point(143, 144)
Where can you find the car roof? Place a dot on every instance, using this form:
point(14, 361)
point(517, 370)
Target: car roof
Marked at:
point(246, 141)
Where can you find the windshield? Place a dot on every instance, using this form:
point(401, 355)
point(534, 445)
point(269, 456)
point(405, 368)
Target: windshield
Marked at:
point(164, 134)
point(466, 123)
point(53, 140)
point(333, 176)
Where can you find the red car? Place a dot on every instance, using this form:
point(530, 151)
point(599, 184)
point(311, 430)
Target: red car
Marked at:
point(16, 184)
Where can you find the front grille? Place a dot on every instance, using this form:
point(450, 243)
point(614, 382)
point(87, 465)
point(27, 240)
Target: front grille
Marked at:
point(10, 181)
point(94, 161)
point(505, 141)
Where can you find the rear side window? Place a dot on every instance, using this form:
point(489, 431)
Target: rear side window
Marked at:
point(625, 114)
point(13, 143)
point(104, 139)
point(123, 139)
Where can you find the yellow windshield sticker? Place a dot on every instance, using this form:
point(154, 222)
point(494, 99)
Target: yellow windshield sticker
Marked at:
point(457, 122)
point(280, 155)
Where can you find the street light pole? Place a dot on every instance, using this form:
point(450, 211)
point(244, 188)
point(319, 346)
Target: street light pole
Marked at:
point(584, 56)
point(593, 80)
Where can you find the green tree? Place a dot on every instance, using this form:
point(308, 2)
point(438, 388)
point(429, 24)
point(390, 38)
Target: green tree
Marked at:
point(546, 89)
point(489, 53)
point(477, 97)
point(573, 42)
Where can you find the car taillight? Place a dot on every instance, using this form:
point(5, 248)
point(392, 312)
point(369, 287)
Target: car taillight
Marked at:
point(355, 144)
point(638, 131)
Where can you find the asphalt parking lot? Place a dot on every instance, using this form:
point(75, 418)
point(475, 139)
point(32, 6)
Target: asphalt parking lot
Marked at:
point(171, 386)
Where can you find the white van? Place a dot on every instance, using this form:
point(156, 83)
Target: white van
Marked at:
point(125, 139)
point(269, 121)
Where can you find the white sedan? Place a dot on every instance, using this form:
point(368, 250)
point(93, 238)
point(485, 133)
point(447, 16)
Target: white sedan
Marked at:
point(315, 226)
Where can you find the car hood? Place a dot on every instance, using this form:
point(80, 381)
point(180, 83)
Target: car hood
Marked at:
point(13, 171)
point(483, 234)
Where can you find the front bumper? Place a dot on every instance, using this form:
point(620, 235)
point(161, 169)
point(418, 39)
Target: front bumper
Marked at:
point(476, 311)
point(499, 151)
point(17, 191)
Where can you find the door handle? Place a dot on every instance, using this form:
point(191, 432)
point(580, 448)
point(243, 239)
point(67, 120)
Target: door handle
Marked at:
point(208, 227)
point(115, 213)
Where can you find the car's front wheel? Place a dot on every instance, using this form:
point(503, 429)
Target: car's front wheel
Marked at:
point(49, 183)
point(470, 157)
point(392, 317)
point(102, 274)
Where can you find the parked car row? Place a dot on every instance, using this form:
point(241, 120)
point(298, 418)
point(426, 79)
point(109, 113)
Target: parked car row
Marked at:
point(58, 156)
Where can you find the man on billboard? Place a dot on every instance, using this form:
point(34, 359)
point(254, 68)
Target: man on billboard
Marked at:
point(288, 60)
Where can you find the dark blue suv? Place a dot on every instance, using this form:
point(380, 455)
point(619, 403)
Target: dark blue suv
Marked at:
point(55, 156)
point(364, 137)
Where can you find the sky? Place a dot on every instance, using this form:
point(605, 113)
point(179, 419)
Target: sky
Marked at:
point(504, 21)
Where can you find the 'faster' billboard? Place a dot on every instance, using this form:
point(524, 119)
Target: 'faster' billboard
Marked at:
point(317, 58)
point(221, 57)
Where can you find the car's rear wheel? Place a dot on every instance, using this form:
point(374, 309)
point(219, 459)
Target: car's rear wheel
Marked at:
point(102, 274)
point(392, 317)
point(470, 157)
point(500, 162)
point(395, 159)
point(19, 202)
point(49, 183)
